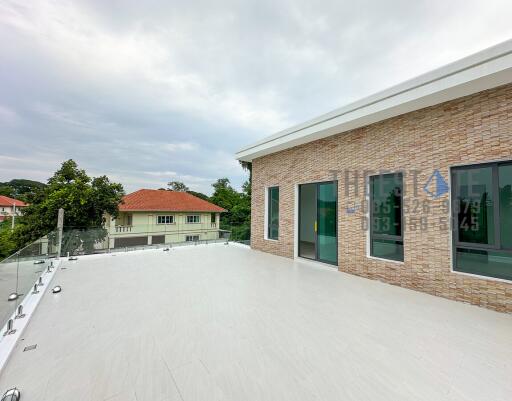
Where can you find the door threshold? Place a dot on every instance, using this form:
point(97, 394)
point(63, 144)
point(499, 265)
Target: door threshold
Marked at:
point(316, 262)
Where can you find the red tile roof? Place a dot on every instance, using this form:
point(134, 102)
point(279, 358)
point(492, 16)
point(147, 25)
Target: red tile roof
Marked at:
point(6, 201)
point(166, 201)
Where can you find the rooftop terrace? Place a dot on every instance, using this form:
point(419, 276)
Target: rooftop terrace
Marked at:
point(224, 322)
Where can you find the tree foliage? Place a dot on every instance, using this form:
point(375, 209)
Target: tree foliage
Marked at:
point(7, 244)
point(20, 189)
point(199, 195)
point(237, 219)
point(177, 186)
point(84, 199)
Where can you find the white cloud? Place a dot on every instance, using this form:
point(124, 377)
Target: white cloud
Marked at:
point(150, 91)
point(75, 39)
point(180, 146)
point(161, 173)
point(50, 112)
point(8, 116)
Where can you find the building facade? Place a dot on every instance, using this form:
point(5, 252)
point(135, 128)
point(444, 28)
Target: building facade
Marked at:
point(149, 217)
point(10, 207)
point(391, 190)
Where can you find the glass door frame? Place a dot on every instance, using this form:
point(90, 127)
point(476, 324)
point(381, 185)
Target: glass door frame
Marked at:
point(317, 190)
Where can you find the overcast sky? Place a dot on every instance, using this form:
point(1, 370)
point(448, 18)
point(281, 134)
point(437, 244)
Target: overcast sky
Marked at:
point(151, 91)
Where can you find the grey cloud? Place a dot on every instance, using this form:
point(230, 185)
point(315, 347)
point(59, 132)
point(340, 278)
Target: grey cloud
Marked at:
point(128, 88)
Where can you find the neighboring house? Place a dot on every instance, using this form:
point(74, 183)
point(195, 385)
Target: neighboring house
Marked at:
point(10, 207)
point(375, 188)
point(150, 216)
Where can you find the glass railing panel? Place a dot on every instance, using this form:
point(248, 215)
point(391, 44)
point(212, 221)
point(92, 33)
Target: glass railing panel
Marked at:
point(8, 288)
point(78, 241)
point(34, 259)
point(19, 273)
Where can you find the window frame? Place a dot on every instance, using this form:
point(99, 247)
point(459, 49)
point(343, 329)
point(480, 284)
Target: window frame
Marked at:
point(503, 163)
point(385, 237)
point(269, 212)
point(496, 213)
point(171, 216)
point(193, 222)
point(195, 238)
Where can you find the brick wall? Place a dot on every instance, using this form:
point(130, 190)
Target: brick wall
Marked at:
point(472, 129)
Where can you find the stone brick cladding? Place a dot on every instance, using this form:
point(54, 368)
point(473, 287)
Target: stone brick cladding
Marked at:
point(468, 130)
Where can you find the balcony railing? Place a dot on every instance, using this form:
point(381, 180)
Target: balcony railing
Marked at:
point(156, 229)
point(78, 241)
point(20, 272)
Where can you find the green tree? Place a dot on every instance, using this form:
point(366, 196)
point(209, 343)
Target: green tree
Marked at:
point(177, 186)
point(199, 195)
point(7, 244)
point(21, 189)
point(85, 201)
point(237, 219)
point(247, 166)
point(6, 190)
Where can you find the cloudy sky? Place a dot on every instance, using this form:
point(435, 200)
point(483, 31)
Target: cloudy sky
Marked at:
point(151, 91)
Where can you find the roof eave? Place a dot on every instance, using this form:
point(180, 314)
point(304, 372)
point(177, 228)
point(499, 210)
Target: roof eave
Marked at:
point(173, 211)
point(487, 69)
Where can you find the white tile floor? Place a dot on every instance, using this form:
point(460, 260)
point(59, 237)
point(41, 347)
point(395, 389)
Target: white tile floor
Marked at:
point(228, 323)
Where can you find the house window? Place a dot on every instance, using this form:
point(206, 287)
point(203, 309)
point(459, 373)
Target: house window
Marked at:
point(165, 219)
point(213, 218)
point(482, 216)
point(193, 219)
point(386, 228)
point(129, 219)
point(192, 238)
point(273, 213)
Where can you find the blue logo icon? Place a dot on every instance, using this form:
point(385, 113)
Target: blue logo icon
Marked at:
point(441, 186)
point(352, 209)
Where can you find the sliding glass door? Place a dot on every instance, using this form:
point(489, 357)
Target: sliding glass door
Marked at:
point(307, 221)
point(318, 239)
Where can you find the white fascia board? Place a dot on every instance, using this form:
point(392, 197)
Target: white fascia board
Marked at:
point(485, 70)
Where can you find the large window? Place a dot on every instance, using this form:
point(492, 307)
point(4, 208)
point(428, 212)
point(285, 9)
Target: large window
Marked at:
point(192, 238)
point(165, 219)
point(482, 213)
point(386, 227)
point(273, 213)
point(195, 218)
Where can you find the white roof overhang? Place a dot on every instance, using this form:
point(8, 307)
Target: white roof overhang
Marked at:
point(484, 70)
